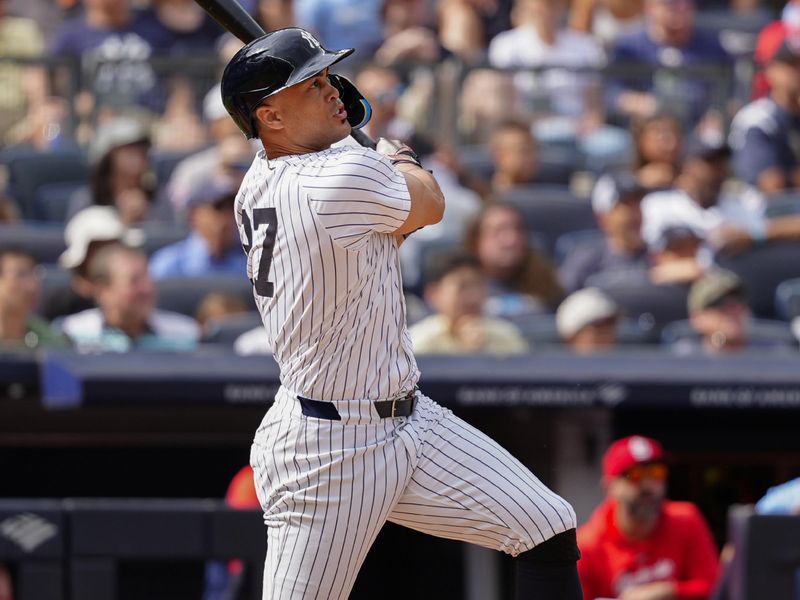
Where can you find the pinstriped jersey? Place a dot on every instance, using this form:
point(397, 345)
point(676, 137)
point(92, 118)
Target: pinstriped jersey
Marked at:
point(316, 231)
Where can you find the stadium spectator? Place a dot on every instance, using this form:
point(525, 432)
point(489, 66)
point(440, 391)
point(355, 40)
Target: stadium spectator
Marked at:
point(20, 288)
point(88, 231)
point(521, 281)
point(587, 321)
point(487, 100)
point(126, 317)
point(669, 39)
point(343, 23)
point(719, 313)
point(114, 44)
point(616, 201)
point(658, 144)
point(121, 175)
point(769, 40)
point(607, 20)
point(461, 30)
point(216, 307)
point(213, 246)
point(382, 87)
point(698, 201)
point(783, 499)
point(23, 85)
point(764, 133)
point(456, 291)
point(8, 210)
point(253, 342)
point(638, 545)
point(275, 14)
point(409, 38)
point(185, 27)
point(675, 255)
point(229, 155)
point(565, 106)
point(515, 157)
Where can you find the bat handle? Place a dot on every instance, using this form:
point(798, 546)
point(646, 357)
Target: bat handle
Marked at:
point(362, 138)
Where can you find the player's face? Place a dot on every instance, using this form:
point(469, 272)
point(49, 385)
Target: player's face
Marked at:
point(311, 115)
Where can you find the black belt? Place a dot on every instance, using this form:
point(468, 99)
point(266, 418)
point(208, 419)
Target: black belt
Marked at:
point(402, 406)
point(399, 407)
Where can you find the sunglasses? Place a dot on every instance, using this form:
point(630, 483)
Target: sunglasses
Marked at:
point(655, 471)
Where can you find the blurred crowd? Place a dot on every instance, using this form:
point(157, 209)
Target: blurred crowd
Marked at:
point(617, 173)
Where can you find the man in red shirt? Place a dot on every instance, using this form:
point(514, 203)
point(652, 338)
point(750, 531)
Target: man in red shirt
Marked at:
point(637, 545)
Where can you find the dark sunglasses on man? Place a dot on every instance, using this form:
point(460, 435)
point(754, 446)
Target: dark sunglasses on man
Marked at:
point(655, 471)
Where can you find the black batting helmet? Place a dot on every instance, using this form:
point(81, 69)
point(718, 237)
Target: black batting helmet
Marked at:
point(268, 65)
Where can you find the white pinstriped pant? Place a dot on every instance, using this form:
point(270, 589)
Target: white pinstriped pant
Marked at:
point(327, 487)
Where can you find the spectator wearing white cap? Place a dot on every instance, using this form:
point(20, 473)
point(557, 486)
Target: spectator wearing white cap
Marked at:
point(587, 321)
point(89, 230)
point(126, 316)
point(616, 200)
point(699, 201)
point(229, 156)
point(121, 174)
point(212, 247)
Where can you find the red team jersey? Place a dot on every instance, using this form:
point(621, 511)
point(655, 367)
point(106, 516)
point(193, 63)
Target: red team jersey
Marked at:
point(680, 549)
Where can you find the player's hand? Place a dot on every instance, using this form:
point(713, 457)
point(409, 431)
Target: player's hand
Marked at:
point(397, 152)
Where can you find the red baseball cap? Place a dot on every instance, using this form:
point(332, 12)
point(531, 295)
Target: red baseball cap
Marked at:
point(624, 453)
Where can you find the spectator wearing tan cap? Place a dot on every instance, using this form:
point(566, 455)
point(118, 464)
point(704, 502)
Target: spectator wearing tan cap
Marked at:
point(719, 312)
point(587, 321)
point(637, 545)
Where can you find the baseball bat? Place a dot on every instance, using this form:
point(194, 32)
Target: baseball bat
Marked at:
point(234, 18)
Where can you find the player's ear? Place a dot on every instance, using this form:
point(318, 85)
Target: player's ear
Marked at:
point(269, 117)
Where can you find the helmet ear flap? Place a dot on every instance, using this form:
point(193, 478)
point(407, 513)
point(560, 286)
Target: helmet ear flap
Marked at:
point(359, 111)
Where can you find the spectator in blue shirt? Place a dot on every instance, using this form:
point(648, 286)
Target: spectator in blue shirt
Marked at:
point(782, 499)
point(212, 248)
point(765, 134)
point(668, 39)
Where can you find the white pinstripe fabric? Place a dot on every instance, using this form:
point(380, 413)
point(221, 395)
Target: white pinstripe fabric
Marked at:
point(327, 487)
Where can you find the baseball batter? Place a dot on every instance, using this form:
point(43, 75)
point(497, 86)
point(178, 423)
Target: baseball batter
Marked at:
point(350, 441)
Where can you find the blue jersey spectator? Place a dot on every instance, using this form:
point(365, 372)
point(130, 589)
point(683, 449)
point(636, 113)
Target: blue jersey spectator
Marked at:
point(765, 134)
point(669, 39)
point(343, 23)
point(212, 247)
point(114, 44)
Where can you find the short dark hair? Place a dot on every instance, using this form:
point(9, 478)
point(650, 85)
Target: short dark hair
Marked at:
point(444, 264)
point(15, 251)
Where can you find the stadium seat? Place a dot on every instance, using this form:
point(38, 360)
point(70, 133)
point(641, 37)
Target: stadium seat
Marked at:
point(184, 294)
point(567, 242)
point(44, 242)
point(738, 31)
point(164, 164)
point(226, 331)
point(552, 211)
point(762, 269)
point(157, 235)
point(787, 299)
point(29, 172)
point(783, 205)
point(761, 332)
point(51, 200)
point(652, 306)
point(556, 163)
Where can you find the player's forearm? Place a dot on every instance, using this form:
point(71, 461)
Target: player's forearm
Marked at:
point(427, 200)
